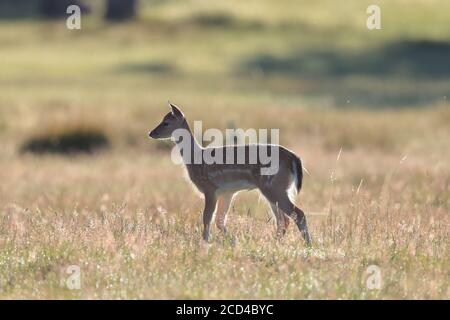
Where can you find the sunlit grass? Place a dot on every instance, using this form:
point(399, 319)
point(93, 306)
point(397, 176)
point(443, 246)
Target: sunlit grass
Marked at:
point(128, 218)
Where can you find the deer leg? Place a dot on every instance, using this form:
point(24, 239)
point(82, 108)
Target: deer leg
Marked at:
point(299, 217)
point(223, 205)
point(208, 212)
point(286, 221)
point(281, 219)
point(285, 204)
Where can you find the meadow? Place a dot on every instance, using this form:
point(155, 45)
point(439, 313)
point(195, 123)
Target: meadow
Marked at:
point(367, 111)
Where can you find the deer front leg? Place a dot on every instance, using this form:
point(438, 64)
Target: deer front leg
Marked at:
point(208, 212)
point(223, 205)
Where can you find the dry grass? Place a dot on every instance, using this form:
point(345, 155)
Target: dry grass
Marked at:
point(133, 226)
point(128, 218)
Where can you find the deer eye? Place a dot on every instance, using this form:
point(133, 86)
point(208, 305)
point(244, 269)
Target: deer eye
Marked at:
point(165, 124)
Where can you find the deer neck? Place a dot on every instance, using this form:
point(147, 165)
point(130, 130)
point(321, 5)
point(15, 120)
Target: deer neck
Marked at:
point(192, 146)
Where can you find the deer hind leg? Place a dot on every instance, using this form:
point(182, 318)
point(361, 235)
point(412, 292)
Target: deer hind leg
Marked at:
point(285, 204)
point(208, 212)
point(223, 205)
point(300, 219)
point(281, 219)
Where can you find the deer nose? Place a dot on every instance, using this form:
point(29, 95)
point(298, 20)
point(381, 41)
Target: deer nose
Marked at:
point(151, 134)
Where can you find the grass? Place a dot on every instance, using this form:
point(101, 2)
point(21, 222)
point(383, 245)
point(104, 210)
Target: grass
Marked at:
point(130, 221)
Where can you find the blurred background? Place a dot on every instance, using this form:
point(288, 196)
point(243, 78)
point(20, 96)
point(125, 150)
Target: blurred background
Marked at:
point(81, 183)
point(219, 55)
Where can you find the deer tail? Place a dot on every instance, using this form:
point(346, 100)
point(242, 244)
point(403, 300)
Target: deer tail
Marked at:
point(298, 172)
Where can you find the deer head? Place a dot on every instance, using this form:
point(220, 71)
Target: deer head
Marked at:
point(170, 122)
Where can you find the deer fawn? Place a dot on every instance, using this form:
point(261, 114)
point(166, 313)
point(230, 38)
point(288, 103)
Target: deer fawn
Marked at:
point(219, 182)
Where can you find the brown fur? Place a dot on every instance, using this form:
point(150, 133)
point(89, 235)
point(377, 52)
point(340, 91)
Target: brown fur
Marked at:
point(219, 182)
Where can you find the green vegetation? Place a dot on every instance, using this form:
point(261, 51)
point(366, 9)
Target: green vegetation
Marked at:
point(130, 221)
point(66, 138)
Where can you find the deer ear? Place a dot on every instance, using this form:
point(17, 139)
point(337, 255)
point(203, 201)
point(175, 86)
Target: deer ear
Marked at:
point(176, 111)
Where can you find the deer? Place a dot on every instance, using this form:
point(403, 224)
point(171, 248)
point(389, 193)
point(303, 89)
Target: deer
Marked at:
point(220, 182)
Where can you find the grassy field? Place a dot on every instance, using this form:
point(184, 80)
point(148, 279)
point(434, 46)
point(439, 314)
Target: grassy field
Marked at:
point(128, 219)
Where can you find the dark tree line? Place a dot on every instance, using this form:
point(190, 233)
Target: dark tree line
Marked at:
point(116, 10)
point(57, 8)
